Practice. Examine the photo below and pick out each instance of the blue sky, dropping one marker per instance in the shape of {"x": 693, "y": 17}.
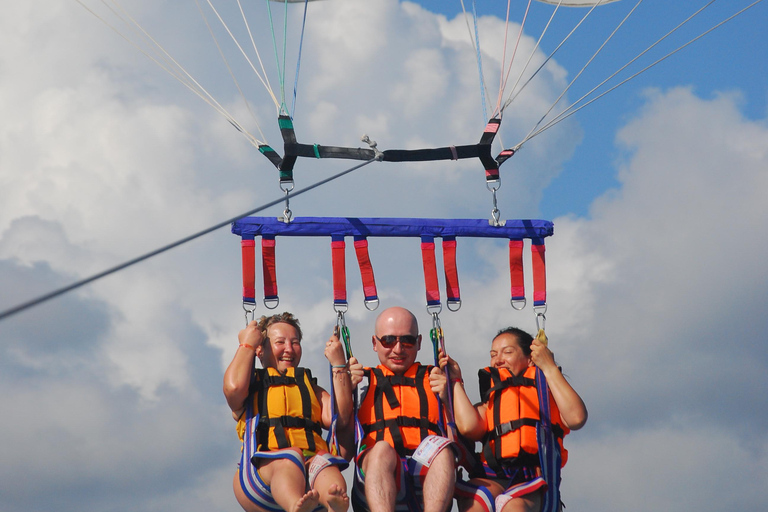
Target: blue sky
{"x": 656, "y": 274}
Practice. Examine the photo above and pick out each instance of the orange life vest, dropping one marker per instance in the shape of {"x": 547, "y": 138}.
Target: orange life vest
{"x": 399, "y": 409}
{"x": 511, "y": 418}
{"x": 290, "y": 414}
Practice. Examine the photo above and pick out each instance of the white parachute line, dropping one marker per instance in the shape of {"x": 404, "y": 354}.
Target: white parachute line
{"x": 549, "y": 57}
{"x": 474, "y": 37}
{"x": 592, "y": 58}
{"x": 262, "y": 79}
{"x": 530, "y": 58}
{"x": 562, "y": 116}
{"x": 167, "y": 64}
{"x": 505, "y": 75}
{"x": 256, "y": 50}
{"x": 572, "y": 106}
{"x": 229, "y": 70}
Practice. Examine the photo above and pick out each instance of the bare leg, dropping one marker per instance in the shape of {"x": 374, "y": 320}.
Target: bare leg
{"x": 379, "y": 466}
{"x": 288, "y": 483}
{"x": 440, "y": 482}
{"x": 332, "y": 488}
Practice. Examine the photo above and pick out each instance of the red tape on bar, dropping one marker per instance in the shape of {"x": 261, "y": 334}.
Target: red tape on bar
{"x": 268, "y": 267}
{"x": 366, "y": 269}
{"x": 430, "y": 270}
{"x": 516, "y": 277}
{"x": 338, "y": 259}
{"x": 539, "y": 273}
{"x": 451, "y": 272}
{"x": 248, "y": 247}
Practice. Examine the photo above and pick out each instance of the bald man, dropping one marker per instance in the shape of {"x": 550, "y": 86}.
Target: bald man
{"x": 404, "y": 459}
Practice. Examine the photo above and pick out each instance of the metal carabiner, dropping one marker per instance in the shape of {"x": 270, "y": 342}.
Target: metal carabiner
{"x": 541, "y": 319}
{"x": 493, "y": 186}
{"x": 287, "y": 213}
{"x": 249, "y": 308}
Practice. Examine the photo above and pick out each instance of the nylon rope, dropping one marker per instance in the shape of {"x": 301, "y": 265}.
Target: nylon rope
{"x": 46, "y": 297}
{"x": 280, "y": 71}
{"x": 169, "y": 65}
{"x": 562, "y": 116}
{"x": 298, "y": 59}
{"x": 586, "y": 65}
{"x": 549, "y": 57}
{"x": 474, "y": 37}
{"x": 530, "y": 58}
{"x": 229, "y": 70}
{"x": 505, "y": 76}
{"x": 262, "y": 78}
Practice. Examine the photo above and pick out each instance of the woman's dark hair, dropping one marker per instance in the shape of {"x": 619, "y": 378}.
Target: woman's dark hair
{"x": 523, "y": 338}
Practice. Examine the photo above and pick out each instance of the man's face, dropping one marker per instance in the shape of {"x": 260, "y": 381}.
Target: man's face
{"x": 397, "y": 341}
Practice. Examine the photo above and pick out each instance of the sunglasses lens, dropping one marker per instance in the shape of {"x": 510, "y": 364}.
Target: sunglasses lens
{"x": 390, "y": 340}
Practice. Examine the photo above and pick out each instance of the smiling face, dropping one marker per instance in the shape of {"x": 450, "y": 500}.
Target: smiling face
{"x": 397, "y": 322}
{"x": 506, "y": 353}
{"x": 282, "y": 349}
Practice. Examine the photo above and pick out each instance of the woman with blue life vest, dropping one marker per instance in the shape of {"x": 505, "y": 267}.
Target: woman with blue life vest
{"x": 281, "y": 412}
{"x": 508, "y": 477}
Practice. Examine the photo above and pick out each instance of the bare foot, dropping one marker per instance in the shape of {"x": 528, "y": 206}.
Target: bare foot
{"x": 306, "y": 503}
{"x": 338, "y": 501}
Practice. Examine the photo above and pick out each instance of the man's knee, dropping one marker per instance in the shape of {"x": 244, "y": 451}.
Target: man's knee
{"x": 381, "y": 456}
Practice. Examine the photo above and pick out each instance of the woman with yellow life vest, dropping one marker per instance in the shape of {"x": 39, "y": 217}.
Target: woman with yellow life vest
{"x": 280, "y": 411}
{"x": 508, "y": 477}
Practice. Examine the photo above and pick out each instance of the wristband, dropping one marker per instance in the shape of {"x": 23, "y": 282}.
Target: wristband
{"x": 338, "y": 365}
{"x": 247, "y": 346}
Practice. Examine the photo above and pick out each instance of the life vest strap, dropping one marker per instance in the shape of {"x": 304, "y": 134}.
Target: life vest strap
{"x": 402, "y": 421}
{"x": 509, "y": 426}
{"x": 292, "y": 422}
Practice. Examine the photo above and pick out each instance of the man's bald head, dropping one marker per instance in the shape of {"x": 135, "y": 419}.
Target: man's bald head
{"x": 396, "y": 320}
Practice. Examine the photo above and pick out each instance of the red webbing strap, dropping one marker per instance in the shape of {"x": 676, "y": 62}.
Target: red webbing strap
{"x": 248, "y": 247}
{"x": 268, "y": 266}
{"x": 430, "y": 270}
{"x": 516, "y": 277}
{"x": 539, "y": 273}
{"x": 366, "y": 269}
{"x": 451, "y": 272}
{"x": 338, "y": 248}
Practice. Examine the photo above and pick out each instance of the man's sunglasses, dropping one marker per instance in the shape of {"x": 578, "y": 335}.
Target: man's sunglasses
{"x": 390, "y": 340}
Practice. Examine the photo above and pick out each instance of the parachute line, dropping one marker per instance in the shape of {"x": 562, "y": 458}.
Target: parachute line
{"x": 569, "y": 112}
{"x": 164, "y": 60}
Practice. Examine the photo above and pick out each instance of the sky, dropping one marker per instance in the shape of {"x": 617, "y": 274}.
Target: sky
{"x": 111, "y": 394}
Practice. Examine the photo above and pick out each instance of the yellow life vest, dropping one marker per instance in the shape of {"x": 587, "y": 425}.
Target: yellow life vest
{"x": 289, "y": 412}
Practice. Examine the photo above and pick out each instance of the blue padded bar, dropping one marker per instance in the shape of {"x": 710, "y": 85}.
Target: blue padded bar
{"x": 391, "y": 227}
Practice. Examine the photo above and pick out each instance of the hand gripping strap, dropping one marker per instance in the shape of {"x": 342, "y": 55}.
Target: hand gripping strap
{"x": 517, "y": 280}
{"x": 430, "y": 270}
{"x": 451, "y": 272}
{"x": 338, "y": 247}
{"x": 366, "y": 269}
{"x": 268, "y": 267}
{"x": 539, "y": 273}
{"x": 248, "y": 247}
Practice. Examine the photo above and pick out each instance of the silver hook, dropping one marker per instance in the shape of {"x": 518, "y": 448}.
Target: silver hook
{"x": 287, "y": 213}
{"x": 249, "y": 308}
{"x": 493, "y": 186}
